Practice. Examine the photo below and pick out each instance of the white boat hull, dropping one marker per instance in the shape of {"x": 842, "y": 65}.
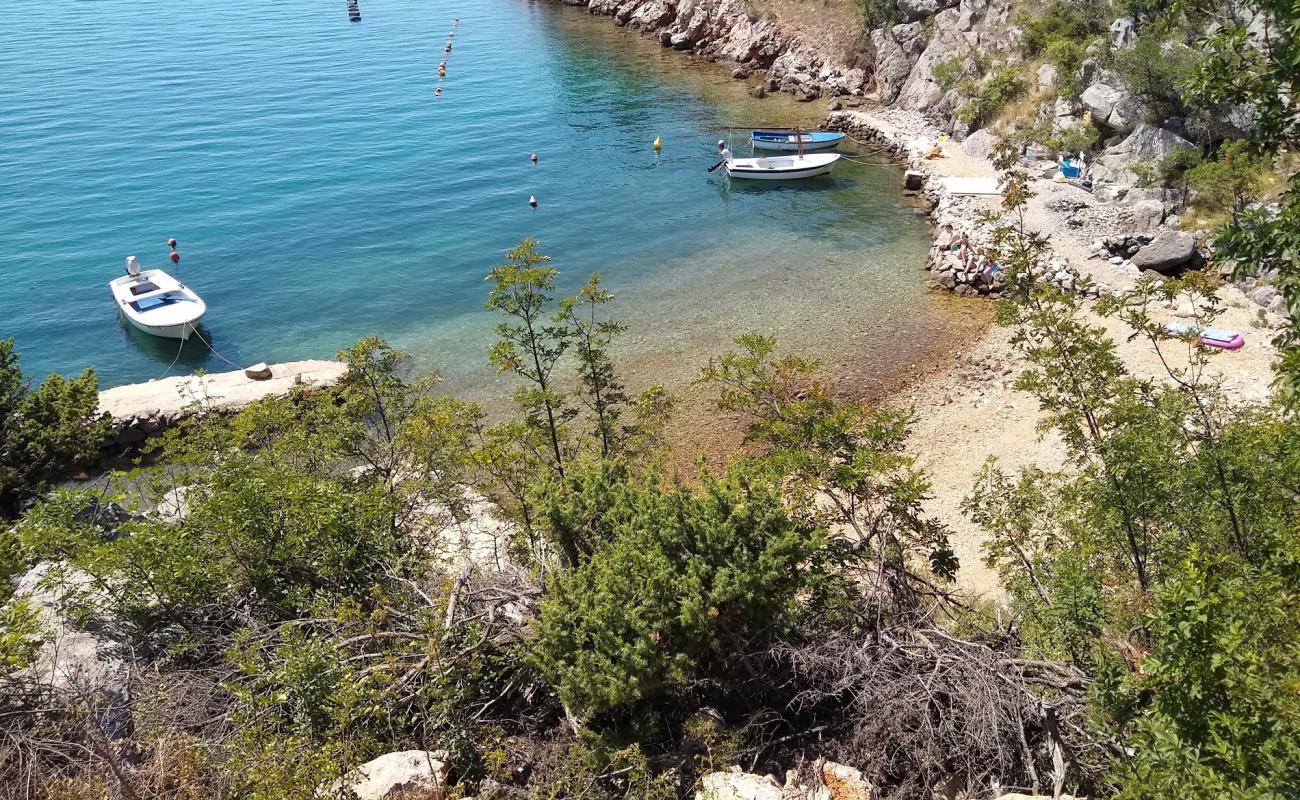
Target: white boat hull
{"x": 181, "y": 331}
{"x": 782, "y": 168}
{"x": 158, "y": 304}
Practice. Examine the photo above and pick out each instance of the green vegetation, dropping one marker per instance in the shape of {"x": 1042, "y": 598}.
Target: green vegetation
{"x": 383, "y": 567}
{"x": 45, "y": 433}
{"x": 1235, "y": 72}
{"x": 992, "y": 94}
{"x": 1063, "y": 21}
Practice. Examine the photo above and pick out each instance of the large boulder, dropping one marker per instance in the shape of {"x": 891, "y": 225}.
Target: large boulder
{"x": 737, "y": 785}
{"x": 1123, "y": 33}
{"x": 980, "y": 144}
{"x": 1111, "y": 105}
{"x": 77, "y": 657}
{"x": 395, "y": 773}
{"x": 1168, "y": 251}
{"x": 1146, "y": 145}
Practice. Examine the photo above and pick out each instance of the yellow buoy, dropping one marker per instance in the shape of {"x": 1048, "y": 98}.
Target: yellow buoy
{"x": 658, "y": 144}
{"x": 442, "y": 72}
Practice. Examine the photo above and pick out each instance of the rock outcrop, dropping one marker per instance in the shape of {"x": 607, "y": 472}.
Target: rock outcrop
{"x": 726, "y": 30}
{"x": 394, "y": 774}
{"x": 77, "y": 658}
{"x": 1112, "y": 106}
{"x": 1146, "y": 145}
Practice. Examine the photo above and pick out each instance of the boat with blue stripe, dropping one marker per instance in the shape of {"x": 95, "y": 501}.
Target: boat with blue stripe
{"x": 795, "y": 140}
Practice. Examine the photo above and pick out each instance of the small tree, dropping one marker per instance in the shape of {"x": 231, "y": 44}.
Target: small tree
{"x": 603, "y": 392}
{"x": 44, "y": 433}
{"x": 532, "y": 344}
{"x": 1231, "y": 180}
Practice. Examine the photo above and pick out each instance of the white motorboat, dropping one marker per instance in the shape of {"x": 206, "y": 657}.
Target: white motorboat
{"x": 157, "y": 303}
{"x": 782, "y": 168}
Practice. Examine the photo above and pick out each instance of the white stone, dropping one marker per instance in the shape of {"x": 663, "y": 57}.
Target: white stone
{"x": 1146, "y": 144}
{"x": 1123, "y": 33}
{"x": 737, "y": 785}
{"x": 1046, "y": 76}
{"x": 72, "y": 659}
{"x": 393, "y": 773}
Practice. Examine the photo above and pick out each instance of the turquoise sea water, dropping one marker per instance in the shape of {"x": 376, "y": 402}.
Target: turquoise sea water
{"x": 321, "y": 192}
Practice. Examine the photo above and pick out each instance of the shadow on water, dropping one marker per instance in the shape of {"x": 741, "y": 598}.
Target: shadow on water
{"x": 184, "y": 357}
{"x": 821, "y": 183}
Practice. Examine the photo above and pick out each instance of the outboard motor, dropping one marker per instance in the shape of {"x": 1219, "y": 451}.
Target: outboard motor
{"x": 132, "y": 266}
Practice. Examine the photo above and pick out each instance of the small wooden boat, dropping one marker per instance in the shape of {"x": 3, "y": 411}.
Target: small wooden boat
{"x": 782, "y": 168}
{"x": 794, "y": 140}
{"x": 157, "y": 303}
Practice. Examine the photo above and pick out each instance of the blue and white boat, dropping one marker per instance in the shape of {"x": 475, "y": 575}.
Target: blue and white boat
{"x": 795, "y": 140}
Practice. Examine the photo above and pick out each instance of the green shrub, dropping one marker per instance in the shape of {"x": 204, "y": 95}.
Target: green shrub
{"x": 1156, "y": 72}
{"x": 946, "y": 73}
{"x": 1224, "y": 682}
{"x": 683, "y": 579}
{"x": 1067, "y": 56}
{"x": 45, "y": 433}
{"x": 1063, "y": 20}
{"x": 1230, "y": 180}
{"x": 992, "y": 95}
{"x": 878, "y": 13}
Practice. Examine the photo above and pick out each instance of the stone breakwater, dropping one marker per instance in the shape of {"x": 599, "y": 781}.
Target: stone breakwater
{"x": 728, "y": 30}
{"x": 141, "y": 410}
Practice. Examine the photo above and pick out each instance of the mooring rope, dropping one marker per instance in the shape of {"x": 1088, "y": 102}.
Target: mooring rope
{"x": 174, "y": 360}
{"x": 213, "y": 349}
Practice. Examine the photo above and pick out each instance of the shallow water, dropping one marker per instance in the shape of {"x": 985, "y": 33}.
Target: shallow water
{"x": 321, "y": 192}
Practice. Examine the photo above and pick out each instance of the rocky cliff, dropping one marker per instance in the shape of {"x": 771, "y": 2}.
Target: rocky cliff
{"x": 938, "y": 60}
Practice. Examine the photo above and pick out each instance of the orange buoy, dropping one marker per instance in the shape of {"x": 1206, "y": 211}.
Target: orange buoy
{"x": 532, "y": 200}
{"x": 176, "y": 257}
{"x": 533, "y": 158}
{"x": 172, "y": 243}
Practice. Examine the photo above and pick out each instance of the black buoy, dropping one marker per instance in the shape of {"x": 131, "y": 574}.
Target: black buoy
{"x": 354, "y": 12}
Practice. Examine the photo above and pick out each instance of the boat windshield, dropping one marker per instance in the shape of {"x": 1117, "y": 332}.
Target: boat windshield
{"x": 150, "y": 303}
